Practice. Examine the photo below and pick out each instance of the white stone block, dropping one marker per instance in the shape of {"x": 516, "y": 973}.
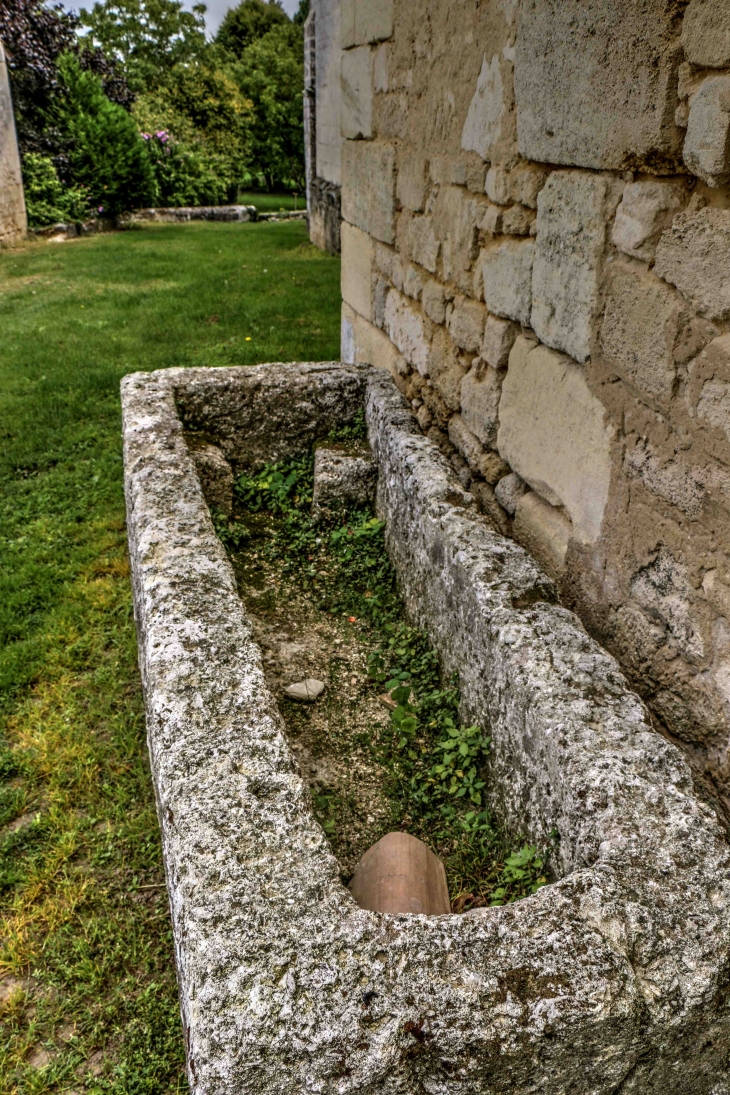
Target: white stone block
{"x": 419, "y": 241}
{"x": 457, "y": 216}
{"x": 356, "y": 106}
{"x": 347, "y": 23}
{"x": 446, "y": 368}
{"x": 408, "y": 330}
{"x": 507, "y": 278}
{"x": 364, "y": 343}
{"x": 640, "y": 328}
{"x": 465, "y": 322}
{"x": 412, "y": 182}
{"x": 646, "y": 208}
{"x": 373, "y": 20}
{"x": 707, "y": 145}
{"x": 483, "y": 125}
{"x": 481, "y": 390}
{"x": 499, "y": 338}
{"x": 572, "y": 214}
{"x": 357, "y": 269}
{"x": 368, "y": 188}
{"x": 521, "y": 183}
{"x": 434, "y": 301}
{"x": 706, "y": 33}
{"x": 552, "y": 432}
{"x": 509, "y": 490}
{"x": 693, "y": 255}
{"x": 412, "y": 283}
{"x": 544, "y": 531}
{"x": 595, "y": 83}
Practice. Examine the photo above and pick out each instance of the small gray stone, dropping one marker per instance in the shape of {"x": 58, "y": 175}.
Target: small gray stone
{"x": 509, "y": 490}
{"x": 707, "y": 145}
{"x": 706, "y": 33}
{"x": 305, "y": 691}
{"x": 341, "y": 478}
{"x": 693, "y": 255}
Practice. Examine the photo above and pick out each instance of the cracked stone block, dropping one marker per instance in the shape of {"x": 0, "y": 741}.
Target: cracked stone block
{"x": 368, "y": 188}
{"x": 456, "y": 218}
{"x": 419, "y": 241}
{"x": 446, "y": 369}
{"x": 216, "y": 477}
{"x": 483, "y": 125}
{"x": 545, "y": 397}
{"x": 509, "y": 490}
{"x": 640, "y": 329}
{"x": 707, "y": 144}
{"x": 408, "y": 329}
{"x": 595, "y": 83}
{"x": 357, "y": 269}
{"x": 341, "y": 478}
{"x": 664, "y": 588}
{"x": 356, "y": 99}
{"x": 481, "y": 390}
{"x": 434, "y": 301}
{"x": 465, "y": 320}
{"x": 499, "y": 338}
{"x": 706, "y": 33}
{"x": 646, "y": 208}
{"x": 544, "y": 530}
{"x": 507, "y": 278}
{"x": 693, "y": 255}
{"x": 572, "y": 216}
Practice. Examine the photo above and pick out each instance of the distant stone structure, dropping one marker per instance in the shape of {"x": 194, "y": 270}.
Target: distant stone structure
{"x": 322, "y": 140}
{"x": 536, "y": 243}
{"x": 13, "y": 221}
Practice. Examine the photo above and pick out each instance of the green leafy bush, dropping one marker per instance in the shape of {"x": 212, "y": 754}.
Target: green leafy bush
{"x": 107, "y": 155}
{"x": 47, "y": 200}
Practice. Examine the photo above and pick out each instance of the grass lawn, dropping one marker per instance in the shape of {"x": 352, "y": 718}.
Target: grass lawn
{"x": 272, "y": 203}
{"x": 88, "y": 999}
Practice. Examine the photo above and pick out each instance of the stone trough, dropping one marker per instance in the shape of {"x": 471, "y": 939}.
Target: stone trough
{"x": 613, "y": 979}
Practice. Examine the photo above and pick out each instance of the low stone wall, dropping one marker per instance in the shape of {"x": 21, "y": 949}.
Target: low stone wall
{"x": 614, "y": 978}
{"x": 194, "y": 213}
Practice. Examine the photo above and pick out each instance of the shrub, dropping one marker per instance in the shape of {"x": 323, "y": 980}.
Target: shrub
{"x": 47, "y": 200}
{"x": 107, "y": 155}
{"x": 184, "y": 175}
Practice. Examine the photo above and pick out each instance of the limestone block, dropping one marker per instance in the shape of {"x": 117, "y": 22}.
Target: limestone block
{"x": 381, "y": 288}
{"x": 466, "y": 442}
{"x": 521, "y": 183}
{"x": 13, "y": 221}
{"x": 340, "y": 478}
{"x": 356, "y": 105}
{"x": 408, "y": 329}
{"x": 412, "y": 283}
{"x": 380, "y": 68}
{"x": 465, "y": 322}
{"x": 216, "y": 477}
{"x": 490, "y": 507}
{"x": 412, "y": 182}
{"x": 419, "y": 241}
{"x": 457, "y": 216}
{"x": 663, "y": 587}
{"x": 446, "y": 369}
{"x": 552, "y": 432}
{"x": 357, "y": 269}
{"x": 678, "y": 483}
{"x": 363, "y": 342}
{"x": 706, "y": 33}
{"x": 347, "y": 23}
{"x": 499, "y": 338}
{"x": 373, "y": 20}
{"x": 518, "y": 221}
{"x": 434, "y": 301}
{"x": 347, "y": 335}
{"x": 368, "y": 188}
{"x": 507, "y": 278}
{"x": 481, "y": 390}
{"x": 693, "y": 255}
{"x": 492, "y": 221}
{"x": 646, "y": 208}
{"x": 509, "y": 490}
{"x": 595, "y": 83}
{"x": 572, "y": 214}
{"x": 483, "y": 125}
{"x": 708, "y": 391}
{"x": 544, "y": 531}
{"x": 707, "y": 145}
{"x": 641, "y": 325}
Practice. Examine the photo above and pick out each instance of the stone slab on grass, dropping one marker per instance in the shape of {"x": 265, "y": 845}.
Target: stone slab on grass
{"x": 611, "y": 978}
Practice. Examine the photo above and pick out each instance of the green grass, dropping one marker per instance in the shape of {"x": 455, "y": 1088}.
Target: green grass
{"x": 87, "y": 989}
{"x": 271, "y": 203}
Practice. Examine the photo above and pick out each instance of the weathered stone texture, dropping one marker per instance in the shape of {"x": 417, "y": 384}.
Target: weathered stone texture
{"x": 706, "y": 33}
{"x": 366, "y": 21}
{"x": 465, "y": 320}
{"x": 693, "y": 255}
{"x": 481, "y": 390}
{"x": 572, "y": 216}
{"x": 356, "y": 106}
{"x": 368, "y": 188}
{"x": 13, "y": 222}
{"x": 545, "y": 398}
{"x": 408, "y": 330}
{"x": 595, "y": 83}
{"x": 357, "y": 270}
{"x": 646, "y": 208}
{"x": 707, "y": 144}
{"x": 484, "y": 121}
{"x": 499, "y": 338}
{"x": 506, "y": 270}
{"x": 544, "y": 530}
{"x": 342, "y": 478}
{"x": 216, "y": 476}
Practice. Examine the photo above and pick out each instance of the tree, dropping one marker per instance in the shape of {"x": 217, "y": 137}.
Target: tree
{"x": 300, "y": 15}
{"x": 35, "y": 36}
{"x": 270, "y": 74}
{"x": 148, "y": 37}
{"x": 107, "y": 156}
{"x": 247, "y": 23}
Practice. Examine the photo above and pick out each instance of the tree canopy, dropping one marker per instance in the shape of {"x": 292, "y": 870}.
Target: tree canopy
{"x": 245, "y": 24}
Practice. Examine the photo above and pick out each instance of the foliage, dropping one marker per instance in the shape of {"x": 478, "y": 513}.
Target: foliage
{"x": 270, "y": 74}
{"x": 247, "y": 22}
{"x": 300, "y": 15}
{"x": 47, "y": 200}
{"x": 107, "y": 156}
{"x": 148, "y": 37}
{"x": 35, "y": 36}
{"x": 84, "y": 924}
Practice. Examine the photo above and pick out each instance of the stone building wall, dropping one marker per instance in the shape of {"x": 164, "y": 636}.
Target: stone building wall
{"x": 13, "y": 224}
{"x": 536, "y": 243}
{"x": 322, "y": 123}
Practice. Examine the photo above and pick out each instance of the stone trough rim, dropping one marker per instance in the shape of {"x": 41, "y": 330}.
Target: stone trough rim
{"x": 166, "y": 507}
